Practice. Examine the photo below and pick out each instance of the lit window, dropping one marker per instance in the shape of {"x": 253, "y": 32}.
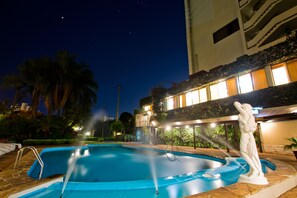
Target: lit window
{"x": 203, "y": 95}
{"x": 218, "y": 90}
{"x": 214, "y": 91}
{"x": 195, "y": 97}
{"x": 181, "y": 101}
{"x": 189, "y": 98}
{"x": 280, "y": 75}
{"x": 223, "y": 91}
{"x": 245, "y": 83}
{"x": 170, "y": 103}
{"x": 146, "y": 108}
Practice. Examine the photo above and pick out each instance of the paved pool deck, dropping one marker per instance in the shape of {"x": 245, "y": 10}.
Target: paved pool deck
{"x": 282, "y": 181}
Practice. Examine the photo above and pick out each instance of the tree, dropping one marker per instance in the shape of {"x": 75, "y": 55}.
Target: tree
{"x": 158, "y": 95}
{"x": 117, "y": 126}
{"x": 4, "y": 107}
{"x": 61, "y": 83}
{"x": 128, "y": 122}
{"x": 75, "y": 85}
{"x": 67, "y": 88}
{"x": 15, "y": 82}
{"x": 35, "y": 75}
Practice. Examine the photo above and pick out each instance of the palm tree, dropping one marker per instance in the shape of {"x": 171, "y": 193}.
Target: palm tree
{"x": 61, "y": 83}
{"x": 35, "y": 74}
{"x": 15, "y": 81}
{"x": 83, "y": 94}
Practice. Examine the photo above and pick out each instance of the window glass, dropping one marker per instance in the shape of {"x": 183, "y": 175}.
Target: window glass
{"x": 245, "y": 83}
{"x": 180, "y": 101}
{"x": 225, "y": 31}
{"x": 214, "y": 91}
{"x": 189, "y": 99}
{"x": 203, "y": 95}
{"x": 170, "y": 103}
{"x": 223, "y": 92}
{"x": 280, "y": 75}
{"x": 195, "y": 97}
{"x": 218, "y": 90}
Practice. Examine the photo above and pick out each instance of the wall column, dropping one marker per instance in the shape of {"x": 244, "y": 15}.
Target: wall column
{"x": 226, "y": 136}
{"x": 194, "y": 136}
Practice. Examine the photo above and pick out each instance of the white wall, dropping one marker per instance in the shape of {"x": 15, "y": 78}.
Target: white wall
{"x": 208, "y": 16}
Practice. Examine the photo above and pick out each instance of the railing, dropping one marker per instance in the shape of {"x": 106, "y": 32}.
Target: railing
{"x": 243, "y": 3}
{"x": 253, "y": 21}
{"x": 271, "y": 26}
{"x": 34, "y": 150}
{"x": 169, "y": 153}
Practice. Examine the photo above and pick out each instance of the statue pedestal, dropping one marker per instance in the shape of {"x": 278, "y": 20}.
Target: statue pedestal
{"x": 259, "y": 180}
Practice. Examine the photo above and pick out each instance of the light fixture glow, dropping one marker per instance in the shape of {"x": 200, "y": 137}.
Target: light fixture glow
{"x": 168, "y": 128}
{"x": 234, "y": 117}
{"x": 170, "y": 103}
{"x": 213, "y": 125}
{"x": 146, "y": 108}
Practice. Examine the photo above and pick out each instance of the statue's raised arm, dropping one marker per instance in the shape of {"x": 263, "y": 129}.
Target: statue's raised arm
{"x": 239, "y": 107}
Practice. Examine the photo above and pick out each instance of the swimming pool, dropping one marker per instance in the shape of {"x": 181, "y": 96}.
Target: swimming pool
{"x": 122, "y": 171}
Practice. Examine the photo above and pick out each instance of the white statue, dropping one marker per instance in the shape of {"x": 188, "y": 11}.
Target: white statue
{"x": 248, "y": 148}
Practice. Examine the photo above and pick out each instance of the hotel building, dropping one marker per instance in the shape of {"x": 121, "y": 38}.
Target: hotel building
{"x": 246, "y": 52}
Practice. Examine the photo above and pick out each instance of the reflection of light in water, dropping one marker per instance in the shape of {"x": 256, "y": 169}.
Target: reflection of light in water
{"x": 194, "y": 187}
{"x": 172, "y": 190}
{"x": 108, "y": 156}
{"x": 211, "y": 176}
{"x": 83, "y": 170}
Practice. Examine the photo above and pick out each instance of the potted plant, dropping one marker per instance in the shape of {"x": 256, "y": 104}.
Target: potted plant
{"x": 292, "y": 146}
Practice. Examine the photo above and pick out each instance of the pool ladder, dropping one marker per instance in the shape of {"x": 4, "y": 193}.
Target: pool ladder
{"x": 34, "y": 150}
{"x": 169, "y": 153}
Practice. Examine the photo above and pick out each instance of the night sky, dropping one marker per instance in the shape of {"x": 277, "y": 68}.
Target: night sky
{"x": 137, "y": 44}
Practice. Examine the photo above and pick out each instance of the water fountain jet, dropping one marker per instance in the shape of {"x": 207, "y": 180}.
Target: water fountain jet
{"x": 153, "y": 171}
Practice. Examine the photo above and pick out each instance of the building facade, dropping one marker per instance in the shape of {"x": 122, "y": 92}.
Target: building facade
{"x": 218, "y": 32}
{"x": 246, "y": 52}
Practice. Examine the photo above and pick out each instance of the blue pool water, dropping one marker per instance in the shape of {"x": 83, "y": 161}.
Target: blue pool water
{"x": 121, "y": 171}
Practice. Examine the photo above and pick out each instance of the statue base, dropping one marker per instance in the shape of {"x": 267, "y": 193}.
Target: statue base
{"x": 259, "y": 180}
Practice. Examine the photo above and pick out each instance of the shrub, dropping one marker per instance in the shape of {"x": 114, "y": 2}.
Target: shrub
{"x": 48, "y": 141}
{"x": 109, "y": 139}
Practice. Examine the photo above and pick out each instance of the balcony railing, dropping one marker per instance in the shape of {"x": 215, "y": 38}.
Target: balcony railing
{"x": 272, "y": 26}
{"x": 258, "y": 16}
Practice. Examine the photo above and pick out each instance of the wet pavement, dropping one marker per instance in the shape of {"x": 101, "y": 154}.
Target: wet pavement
{"x": 13, "y": 181}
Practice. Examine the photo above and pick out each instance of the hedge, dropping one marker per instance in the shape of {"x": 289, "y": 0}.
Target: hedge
{"x": 48, "y": 141}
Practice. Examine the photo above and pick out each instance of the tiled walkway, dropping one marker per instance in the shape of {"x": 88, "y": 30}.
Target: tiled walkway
{"x": 13, "y": 181}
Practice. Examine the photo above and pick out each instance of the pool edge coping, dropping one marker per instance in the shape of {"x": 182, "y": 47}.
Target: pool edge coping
{"x": 286, "y": 181}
